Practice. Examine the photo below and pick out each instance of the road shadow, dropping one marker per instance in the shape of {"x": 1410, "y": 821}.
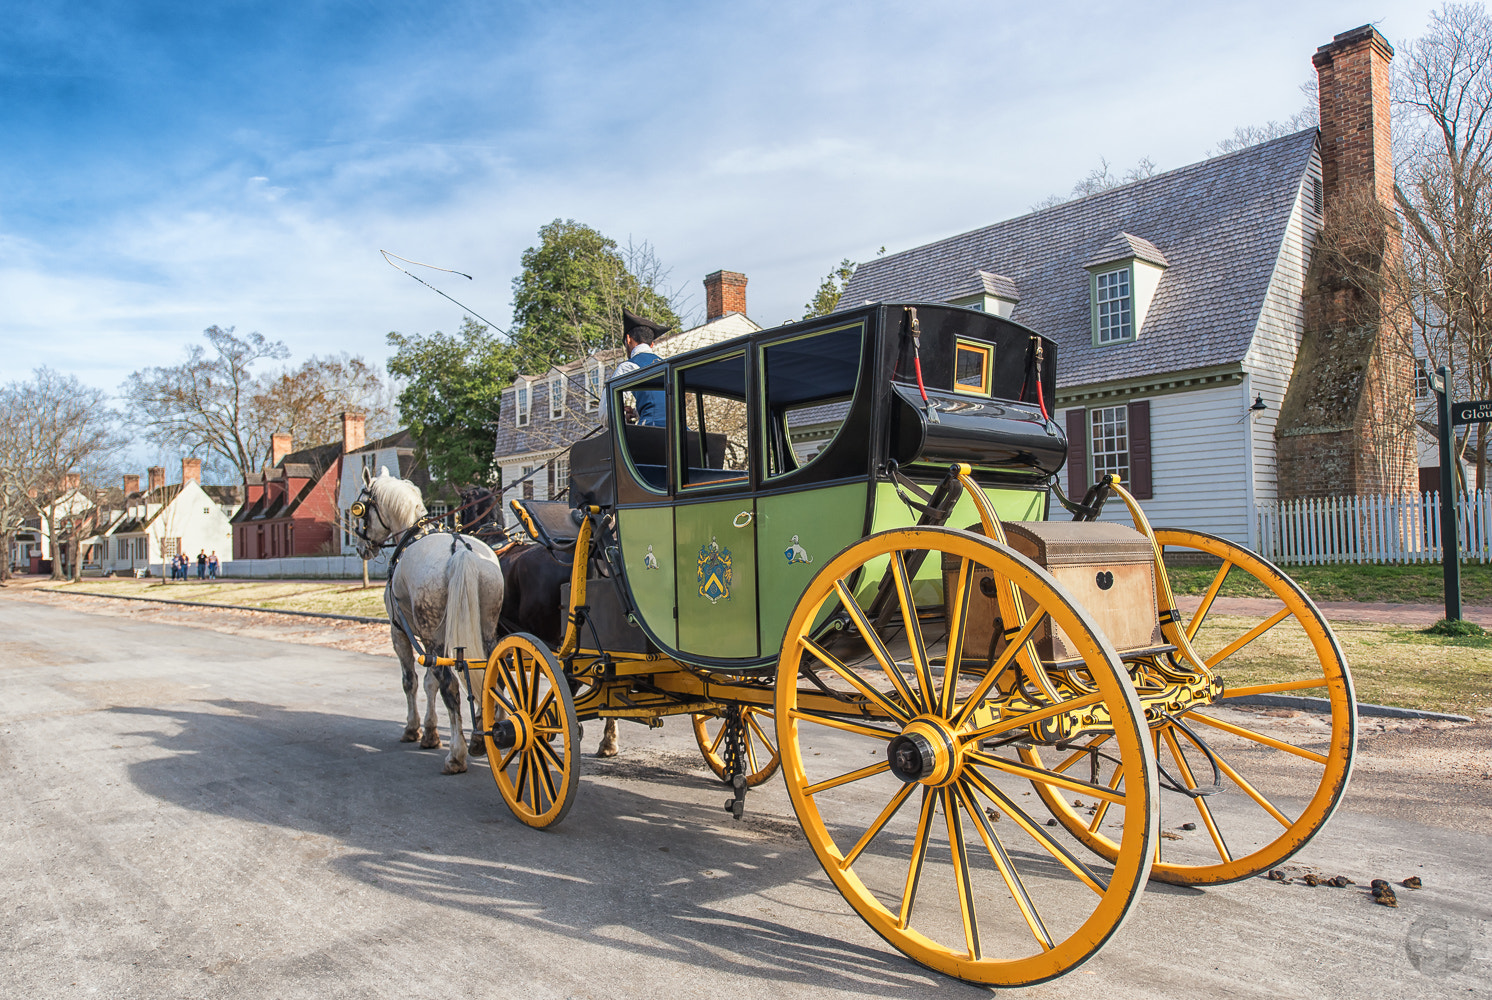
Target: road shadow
{"x": 639, "y": 865}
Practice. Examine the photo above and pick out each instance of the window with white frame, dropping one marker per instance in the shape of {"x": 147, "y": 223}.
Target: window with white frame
{"x": 522, "y": 397}
{"x": 528, "y": 480}
{"x": 561, "y": 475}
{"x": 556, "y": 396}
{"x": 1113, "y": 305}
{"x": 1108, "y": 440}
{"x": 594, "y": 377}
{"x": 1421, "y": 378}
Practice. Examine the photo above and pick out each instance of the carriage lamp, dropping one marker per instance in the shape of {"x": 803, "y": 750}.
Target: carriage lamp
{"x": 1259, "y": 406}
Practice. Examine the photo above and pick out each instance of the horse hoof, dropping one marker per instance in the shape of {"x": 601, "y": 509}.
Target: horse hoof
{"x": 607, "y": 750}
{"x": 430, "y": 743}
{"x": 454, "y": 767}
{"x": 477, "y": 748}
{"x": 410, "y": 735}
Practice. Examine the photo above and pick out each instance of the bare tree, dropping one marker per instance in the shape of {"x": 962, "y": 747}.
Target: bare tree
{"x": 64, "y": 432}
{"x": 206, "y": 403}
{"x": 307, "y": 401}
{"x": 1245, "y": 136}
{"x": 1443, "y": 93}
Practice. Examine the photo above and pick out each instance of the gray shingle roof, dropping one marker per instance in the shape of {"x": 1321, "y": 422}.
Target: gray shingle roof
{"x": 1124, "y": 246}
{"x": 1221, "y": 223}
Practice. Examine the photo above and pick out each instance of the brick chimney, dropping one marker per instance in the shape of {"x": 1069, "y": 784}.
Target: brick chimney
{"x": 725, "y": 293}
{"x": 279, "y": 447}
{"x": 353, "y": 425}
{"x": 71, "y": 481}
{"x": 1346, "y": 422}
{"x": 131, "y": 484}
{"x": 155, "y": 477}
{"x": 191, "y": 471}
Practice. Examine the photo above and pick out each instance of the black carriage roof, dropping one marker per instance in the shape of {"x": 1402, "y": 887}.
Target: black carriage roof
{"x": 798, "y": 376}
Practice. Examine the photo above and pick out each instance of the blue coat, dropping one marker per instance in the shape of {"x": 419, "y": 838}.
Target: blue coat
{"x": 651, "y": 407}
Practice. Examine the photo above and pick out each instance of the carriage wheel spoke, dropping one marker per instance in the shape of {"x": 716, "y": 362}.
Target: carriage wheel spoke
{"x": 844, "y": 779}
{"x": 1037, "y": 832}
{"x": 919, "y": 854}
{"x": 1103, "y": 807}
{"x": 544, "y": 705}
{"x": 959, "y": 856}
{"x": 878, "y": 649}
{"x": 548, "y": 751}
{"x": 1012, "y": 648}
{"x": 1248, "y": 637}
{"x": 756, "y": 728}
{"x": 1191, "y": 782}
{"x": 915, "y": 647}
{"x": 891, "y": 809}
{"x": 1012, "y": 878}
{"x": 507, "y": 759}
{"x": 875, "y": 697}
{"x": 543, "y": 769}
{"x": 1207, "y": 599}
{"x": 1305, "y": 685}
{"x": 845, "y": 724}
{"x": 521, "y": 787}
{"x": 508, "y": 685}
{"x": 750, "y": 753}
{"x": 1031, "y": 771}
{"x": 719, "y": 738}
{"x": 1249, "y": 734}
{"x": 954, "y": 645}
{"x": 1250, "y": 790}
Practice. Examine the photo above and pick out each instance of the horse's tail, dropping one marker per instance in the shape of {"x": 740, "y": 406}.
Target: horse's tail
{"x": 463, "y": 604}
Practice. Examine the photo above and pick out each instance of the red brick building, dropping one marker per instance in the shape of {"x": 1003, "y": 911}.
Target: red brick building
{"x": 290, "y": 507}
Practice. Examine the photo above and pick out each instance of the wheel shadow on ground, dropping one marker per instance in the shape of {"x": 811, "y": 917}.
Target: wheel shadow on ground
{"x": 640, "y": 865}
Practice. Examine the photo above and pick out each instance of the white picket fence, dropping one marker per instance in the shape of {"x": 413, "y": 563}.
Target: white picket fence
{"x": 1368, "y": 529}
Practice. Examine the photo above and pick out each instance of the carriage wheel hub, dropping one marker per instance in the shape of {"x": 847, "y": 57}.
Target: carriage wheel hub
{"x": 925, "y": 752}
{"x": 516, "y": 731}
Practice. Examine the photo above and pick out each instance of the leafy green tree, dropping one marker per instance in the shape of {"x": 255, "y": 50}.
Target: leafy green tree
{"x": 569, "y": 299}
{"x": 450, "y": 400}
{"x": 826, "y": 299}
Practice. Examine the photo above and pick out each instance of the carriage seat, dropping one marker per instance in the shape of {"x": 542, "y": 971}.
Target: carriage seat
{"x": 648, "y": 447}
{"x": 548, "y": 522}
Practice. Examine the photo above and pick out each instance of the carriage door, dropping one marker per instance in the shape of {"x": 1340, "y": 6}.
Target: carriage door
{"x": 714, "y": 513}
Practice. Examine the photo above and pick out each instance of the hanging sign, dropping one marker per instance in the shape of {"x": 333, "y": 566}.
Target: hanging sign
{"x": 1471, "y": 413}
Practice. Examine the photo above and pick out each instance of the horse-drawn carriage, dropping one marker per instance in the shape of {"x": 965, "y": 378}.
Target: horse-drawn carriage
{"x": 836, "y": 558}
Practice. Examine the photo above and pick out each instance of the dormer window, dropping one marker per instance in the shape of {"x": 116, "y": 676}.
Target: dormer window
{"x": 556, "y": 396}
{"x": 594, "y": 371}
{"x": 1122, "y": 282}
{"x": 522, "y": 398}
{"x": 1115, "y": 308}
{"x": 986, "y": 292}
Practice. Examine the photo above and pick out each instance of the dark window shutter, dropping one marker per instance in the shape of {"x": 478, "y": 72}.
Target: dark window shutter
{"x": 1077, "y": 453}
{"x": 1139, "y": 449}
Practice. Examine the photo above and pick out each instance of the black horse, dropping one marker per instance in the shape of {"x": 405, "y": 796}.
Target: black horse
{"x": 533, "y": 576}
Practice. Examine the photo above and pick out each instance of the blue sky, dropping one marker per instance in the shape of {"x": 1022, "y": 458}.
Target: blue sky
{"x": 169, "y": 166}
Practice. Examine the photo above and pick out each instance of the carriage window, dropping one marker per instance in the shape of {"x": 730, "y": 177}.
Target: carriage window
{"x": 712, "y": 414}
{"x": 645, "y": 444}
{"x": 807, "y": 385}
{"x": 973, "y": 365}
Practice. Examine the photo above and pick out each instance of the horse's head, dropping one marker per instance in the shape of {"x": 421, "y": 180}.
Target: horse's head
{"x": 384, "y": 507}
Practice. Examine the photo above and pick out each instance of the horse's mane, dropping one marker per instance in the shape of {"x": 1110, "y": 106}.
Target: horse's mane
{"x": 399, "y": 500}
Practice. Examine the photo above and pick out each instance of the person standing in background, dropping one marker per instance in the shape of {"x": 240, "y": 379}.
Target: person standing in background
{"x": 212, "y": 565}
{"x": 201, "y": 564}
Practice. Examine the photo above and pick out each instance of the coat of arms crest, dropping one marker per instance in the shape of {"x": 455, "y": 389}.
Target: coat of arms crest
{"x": 714, "y": 572}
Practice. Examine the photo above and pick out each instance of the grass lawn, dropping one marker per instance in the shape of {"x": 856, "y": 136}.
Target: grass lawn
{"x": 1390, "y": 665}
{"x": 1416, "y": 584}
{"x": 341, "y": 597}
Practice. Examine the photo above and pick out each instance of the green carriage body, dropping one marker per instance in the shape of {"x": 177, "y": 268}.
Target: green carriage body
{"x": 719, "y": 532}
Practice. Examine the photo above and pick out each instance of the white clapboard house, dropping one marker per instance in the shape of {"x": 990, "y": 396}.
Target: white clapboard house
{"x": 1177, "y": 305}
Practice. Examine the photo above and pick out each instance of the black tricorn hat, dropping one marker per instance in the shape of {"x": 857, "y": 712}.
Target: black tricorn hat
{"x": 642, "y": 330}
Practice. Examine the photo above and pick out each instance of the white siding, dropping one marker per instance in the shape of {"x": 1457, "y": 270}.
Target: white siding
{"x": 1198, "y": 464}
{"x": 192, "y": 516}
{"x": 1271, "y": 357}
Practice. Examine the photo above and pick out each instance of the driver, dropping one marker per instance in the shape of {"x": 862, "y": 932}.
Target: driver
{"x": 638, "y": 335}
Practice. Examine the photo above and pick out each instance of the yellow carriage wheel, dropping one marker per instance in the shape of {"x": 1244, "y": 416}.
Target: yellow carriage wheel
{"x": 1274, "y": 780}
{"x": 906, "y": 778}
{"x": 758, "y": 741}
{"x": 526, "y": 704}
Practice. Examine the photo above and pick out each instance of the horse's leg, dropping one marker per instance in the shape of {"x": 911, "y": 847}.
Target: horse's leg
{"x": 608, "y": 747}
{"x": 450, "y": 692}
{"x": 405, "y": 652}
{"x": 431, "y": 738}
